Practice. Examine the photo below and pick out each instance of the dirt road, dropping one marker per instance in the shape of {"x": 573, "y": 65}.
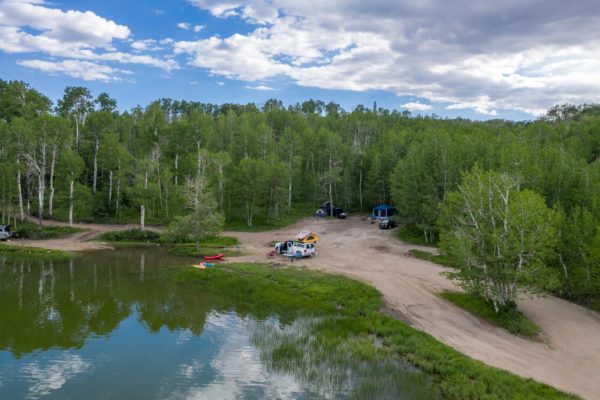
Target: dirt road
{"x": 568, "y": 358}
{"x": 79, "y": 241}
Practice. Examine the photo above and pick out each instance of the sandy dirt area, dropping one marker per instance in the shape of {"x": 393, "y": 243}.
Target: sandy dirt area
{"x": 567, "y": 358}
{"x": 79, "y": 241}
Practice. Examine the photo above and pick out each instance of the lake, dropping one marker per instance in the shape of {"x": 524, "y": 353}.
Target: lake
{"x": 112, "y": 325}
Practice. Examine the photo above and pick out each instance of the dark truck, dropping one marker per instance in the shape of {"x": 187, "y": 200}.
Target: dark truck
{"x": 337, "y": 211}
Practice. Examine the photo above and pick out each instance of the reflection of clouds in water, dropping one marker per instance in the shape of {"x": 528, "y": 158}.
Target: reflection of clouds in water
{"x": 184, "y": 336}
{"x": 54, "y": 375}
{"x": 238, "y": 367}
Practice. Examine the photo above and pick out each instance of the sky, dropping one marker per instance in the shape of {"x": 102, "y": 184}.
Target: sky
{"x": 484, "y": 59}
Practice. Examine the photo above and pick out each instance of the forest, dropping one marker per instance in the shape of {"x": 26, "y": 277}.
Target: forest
{"x": 81, "y": 159}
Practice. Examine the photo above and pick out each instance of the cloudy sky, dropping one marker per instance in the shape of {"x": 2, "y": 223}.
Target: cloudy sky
{"x": 511, "y": 59}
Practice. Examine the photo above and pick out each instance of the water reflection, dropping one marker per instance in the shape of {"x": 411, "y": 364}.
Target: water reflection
{"x": 109, "y": 325}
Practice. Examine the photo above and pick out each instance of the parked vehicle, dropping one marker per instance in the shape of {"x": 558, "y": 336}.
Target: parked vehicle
{"x": 387, "y": 224}
{"x": 382, "y": 211}
{"x": 337, "y": 211}
{"x": 5, "y": 232}
{"x": 293, "y": 248}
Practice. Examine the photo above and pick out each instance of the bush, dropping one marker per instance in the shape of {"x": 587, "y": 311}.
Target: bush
{"x": 131, "y": 235}
{"x": 412, "y": 235}
{"x": 509, "y": 317}
{"x": 28, "y": 230}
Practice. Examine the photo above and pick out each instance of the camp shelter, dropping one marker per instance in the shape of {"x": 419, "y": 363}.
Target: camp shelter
{"x": 307, "y": 237}
{"x": 383, "y": 211}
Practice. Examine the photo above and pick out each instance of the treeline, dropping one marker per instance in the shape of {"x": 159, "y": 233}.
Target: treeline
{"x": 82, "y": 160}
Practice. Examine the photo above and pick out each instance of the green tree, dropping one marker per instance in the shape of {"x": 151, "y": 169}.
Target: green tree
{"x": 203, "y": 219}
{"x": 498, "y": 236}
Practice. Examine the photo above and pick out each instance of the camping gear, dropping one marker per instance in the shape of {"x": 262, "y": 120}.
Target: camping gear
{"x": 382, "y": 211}
{"x": 307, "y": 237}
{"x": 215, "y": 257}
{"x": 203, "y": 265}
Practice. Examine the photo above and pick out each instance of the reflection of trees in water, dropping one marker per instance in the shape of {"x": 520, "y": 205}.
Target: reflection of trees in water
{"x": 45, "y": 304}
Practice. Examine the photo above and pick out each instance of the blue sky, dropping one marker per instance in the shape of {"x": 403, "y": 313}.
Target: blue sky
{"x": 510, "y": 59}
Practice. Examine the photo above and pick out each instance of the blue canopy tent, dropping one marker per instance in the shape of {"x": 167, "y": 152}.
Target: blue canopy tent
{"x": 383, "y": 211}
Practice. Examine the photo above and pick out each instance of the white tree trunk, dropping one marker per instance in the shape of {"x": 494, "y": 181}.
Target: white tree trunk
{"x": 20, "y": 189}
{"x": 290, "y": 192}
{"x": 110, "y": 185}
{"x": 330, "y": 185}
{"x": 176, "y": 168}
{"x": 51, "y": 199}
{"x": 71, "y": 199}
{"x": 96, "y": 147}
{"x": 76, "y": 131}
{"x": 117, "y": 196}
{"x": 221, "y": 191}
{"x": 42, "y": 184}
{"x": 360, "y": 179}
{"x": 142, "y": 217}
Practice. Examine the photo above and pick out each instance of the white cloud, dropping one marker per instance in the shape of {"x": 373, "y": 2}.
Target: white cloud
{"x": 85, "y": 70}
{"x": 488, "y": 56}
{"x": 70, "y": 27}
{"x": 184, "y": 25}
{"x": 416, "y": 106}
{"x": 145, "y": 45}
{"x": 260, "y": 87}
{"x": 30, "y": 26}
{"x": 198, "y": 28}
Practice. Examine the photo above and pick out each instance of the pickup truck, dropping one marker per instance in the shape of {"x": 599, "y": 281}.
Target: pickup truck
{"x": 294, "y": 248}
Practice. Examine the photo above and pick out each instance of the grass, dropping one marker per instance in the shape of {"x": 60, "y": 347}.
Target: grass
{"x": 350, "y": 327}
{"x": 189, "y": 250}
{"x": 33, "y": 252}
{"x": 510, "y": 319}
{"x": 131, "y": 235}
{"x": 435, "y": 258}
{"x": 29, "y": 230}
{"x": 413, "y": 236}
{"x": 144, "y": 236}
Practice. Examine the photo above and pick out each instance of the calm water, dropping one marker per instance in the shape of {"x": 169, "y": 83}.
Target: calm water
{"x": 107, "y": 325}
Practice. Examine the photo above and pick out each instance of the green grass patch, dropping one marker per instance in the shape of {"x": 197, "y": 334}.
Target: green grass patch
{"x": 510, "y": 319}
{"x": 189, "y": 250}
{"x": 29, "y": 230}
{"x": 220, "y": 241}
{"x": 413, "y": 236}
{"x": 435, "y": 258}
{"x": 33, "y": 252}
{"x": 131, "y": 235}
{"x": 350, "y": 326}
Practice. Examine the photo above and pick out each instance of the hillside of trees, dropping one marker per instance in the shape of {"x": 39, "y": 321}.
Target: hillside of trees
{"x": 81, "y": 159}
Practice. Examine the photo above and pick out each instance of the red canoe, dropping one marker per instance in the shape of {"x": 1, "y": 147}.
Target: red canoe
{"x": 212, "y": 258}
